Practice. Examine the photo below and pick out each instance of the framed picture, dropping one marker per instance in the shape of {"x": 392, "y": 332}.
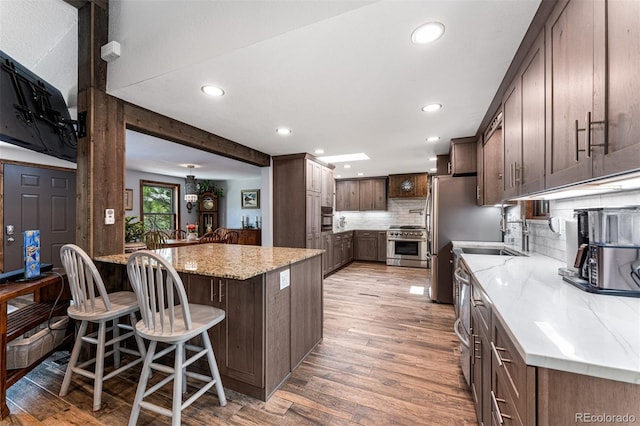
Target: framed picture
{"x": 250, "y": 198}
{"x": 128, "y": 199}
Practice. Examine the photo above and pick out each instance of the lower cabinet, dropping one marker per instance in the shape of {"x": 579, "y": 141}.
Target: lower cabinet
{"x": 382, "y": 246}
{"x": 366, "y": 245}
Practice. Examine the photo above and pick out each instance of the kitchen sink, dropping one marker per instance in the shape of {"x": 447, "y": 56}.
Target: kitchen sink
{"x": 493, "y": 251}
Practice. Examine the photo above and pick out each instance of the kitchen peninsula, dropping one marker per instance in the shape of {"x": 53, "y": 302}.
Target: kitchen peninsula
{"x": 272, "y": 297}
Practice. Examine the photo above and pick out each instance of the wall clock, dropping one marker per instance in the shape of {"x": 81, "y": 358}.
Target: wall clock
{"x": 406, "y": 185}
{"x": 207, "y": 202}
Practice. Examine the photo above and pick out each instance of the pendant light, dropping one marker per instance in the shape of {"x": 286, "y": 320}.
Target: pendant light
{"x": 190, "y": 189}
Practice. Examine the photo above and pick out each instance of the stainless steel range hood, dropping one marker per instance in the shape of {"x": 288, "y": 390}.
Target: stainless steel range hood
{"x": 33, "y": 113}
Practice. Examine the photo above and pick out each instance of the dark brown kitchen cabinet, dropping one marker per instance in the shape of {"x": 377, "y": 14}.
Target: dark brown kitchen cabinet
{"x": 306, "y": 310}
{"x": 412, "y": 185}
{"x": 327, "y": 257}
{"x": 524, "y": 126}
{"x": 480, "y": 174}
{"x": 361, "y": 194}
{"x": 443, "y": 164}
{"x": 593, "y": 93}
{"x": 463, "y": 156}
{"x": 382, "y": 246}
{"x": 373, "y": 194}
{"x": 347, "y": 195}
{"x": 491, "y": 183}
{"x": 296, "y": 209}
{"x": 366, "y": 245}
{"x": 337, "y": 251}
{"x": 327, "y": 187}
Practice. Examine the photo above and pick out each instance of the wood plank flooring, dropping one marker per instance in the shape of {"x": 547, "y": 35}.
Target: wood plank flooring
{"x": 387, "y": 357}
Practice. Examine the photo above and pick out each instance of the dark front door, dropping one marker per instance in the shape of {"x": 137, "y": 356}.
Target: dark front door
{"x": 38, "y": 198}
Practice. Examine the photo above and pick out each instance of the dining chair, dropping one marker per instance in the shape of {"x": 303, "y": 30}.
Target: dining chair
{"x": 211, "y": 237}
{"x": 178, "y": 234}
{"x": 231, "y": 237}
{"x": 155, "y": 239}
{"x": 169, "y": 319}
{"x": 92, "y": 304}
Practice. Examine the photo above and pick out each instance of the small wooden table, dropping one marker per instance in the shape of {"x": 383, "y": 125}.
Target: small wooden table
{"x": 18, "y": 322}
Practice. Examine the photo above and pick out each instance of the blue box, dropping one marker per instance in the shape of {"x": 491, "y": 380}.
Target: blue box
{"x": 31, "y": 254}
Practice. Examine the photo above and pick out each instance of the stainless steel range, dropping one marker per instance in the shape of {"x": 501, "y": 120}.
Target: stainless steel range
{"x": 407, "y": 246}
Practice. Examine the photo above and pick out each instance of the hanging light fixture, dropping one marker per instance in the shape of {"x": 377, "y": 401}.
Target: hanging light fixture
{"x": 190, "y": 189}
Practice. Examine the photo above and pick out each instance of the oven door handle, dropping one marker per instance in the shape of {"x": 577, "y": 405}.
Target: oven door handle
{"x": 456, "y": 329}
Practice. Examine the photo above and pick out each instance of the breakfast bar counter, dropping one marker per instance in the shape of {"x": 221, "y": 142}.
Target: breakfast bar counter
{"x": 272, "y": 298}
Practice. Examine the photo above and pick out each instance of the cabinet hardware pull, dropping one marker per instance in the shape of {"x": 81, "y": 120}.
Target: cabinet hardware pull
{"x": 477, "y": 192}
{"x": 475, "y": 347}
{"x": 589, "y": 138}
{"x": 578, "y": 130}
{"x": 495, "y": 401}
{"x": 219, "y": 291}
{"x": 517, "y": 173}
{"x": 449, "y": 168}
{"x": 211, "y": 292}
{"x": 499, "y": 358}
{"x": 477, "y": 302}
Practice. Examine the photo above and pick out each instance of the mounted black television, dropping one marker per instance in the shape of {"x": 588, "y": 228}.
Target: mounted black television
{"x": 33, "y": 113}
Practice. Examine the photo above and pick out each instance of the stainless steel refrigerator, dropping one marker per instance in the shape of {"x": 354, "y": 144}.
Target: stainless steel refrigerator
{"x": 455, "y": 216}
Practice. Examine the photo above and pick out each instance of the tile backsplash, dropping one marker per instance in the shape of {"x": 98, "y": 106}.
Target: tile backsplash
{"x": 553, "y": 244}
{"x": 409, "y": 211}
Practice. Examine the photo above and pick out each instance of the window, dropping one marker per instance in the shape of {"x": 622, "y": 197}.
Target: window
{"x": 159, "y": 205}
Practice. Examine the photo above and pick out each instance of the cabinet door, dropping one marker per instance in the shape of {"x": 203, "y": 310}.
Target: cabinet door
{"x": 493, "y": 153}
{"x": 463, "y": 156}
{"x": 382, "y": 246}
{"x": 512, "y": 139}
{"x": 306, "y": 308}
{"x": 570, "y": 85}
{"x": 480, "y": 176}
{"x": 314, "y": 176}
{"x": 245, "y": 343}
{"x": 348, "y": 248}
{"x": 347, "y": 195}
{"x": 622, "y": 91}
{"x": 533, "y": 120}
{"x": 327, "y": 257}
{"x": 379, "y": 194}
{"x": 365, "y": 191}
{"x": 337, "y": 251}
{"x": 366, "y": 245}
{"x": 443, "y": 164}
{"x": 212, "y": 292}
{"x": 313, "y": 215}
{"x": 327, "y": 187}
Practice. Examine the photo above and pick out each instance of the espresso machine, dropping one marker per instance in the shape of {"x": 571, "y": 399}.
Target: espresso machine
{"x": 608, "y": 259}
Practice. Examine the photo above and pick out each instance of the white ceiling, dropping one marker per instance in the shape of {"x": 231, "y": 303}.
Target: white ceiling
{"x": 343, "y": 75}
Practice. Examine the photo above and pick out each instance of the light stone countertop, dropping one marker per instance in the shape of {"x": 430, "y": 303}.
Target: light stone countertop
{"x": 556, "y": 325}
{"x": 234, "y": 261}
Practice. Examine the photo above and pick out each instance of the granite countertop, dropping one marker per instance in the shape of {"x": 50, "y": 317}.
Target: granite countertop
{"x": 556, "y": 325}
{"x": 234, "y": 261}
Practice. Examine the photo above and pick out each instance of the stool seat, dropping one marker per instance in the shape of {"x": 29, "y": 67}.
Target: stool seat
{"x": 202, "y": 318}
{"x": 122, "y": 303}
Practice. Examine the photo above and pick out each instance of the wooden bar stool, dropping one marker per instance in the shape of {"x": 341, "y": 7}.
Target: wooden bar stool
{"x": 99, "y": 308}
{"x": 169, "y": 318}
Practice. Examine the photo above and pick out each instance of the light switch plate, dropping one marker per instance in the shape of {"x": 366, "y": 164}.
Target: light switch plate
{"x": 109, "y": 217}
{"x": 284, "y": 279}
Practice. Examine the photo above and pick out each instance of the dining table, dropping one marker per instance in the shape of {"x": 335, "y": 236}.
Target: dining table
{"x": 169, "y": 243}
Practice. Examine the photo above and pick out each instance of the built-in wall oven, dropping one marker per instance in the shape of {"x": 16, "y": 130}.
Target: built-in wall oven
{"x": 326, "y": 218}
{"x": 407, "y": 246}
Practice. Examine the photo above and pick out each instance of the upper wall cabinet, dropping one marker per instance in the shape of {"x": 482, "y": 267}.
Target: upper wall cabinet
{"x": 593, "y": 93}
{"x": 524, "y": 126}
{"x": 408, "y": 186}
{"x": 361, "y": 194}
{"x": 489, "y": 179}
{"x": 463, "y": 156}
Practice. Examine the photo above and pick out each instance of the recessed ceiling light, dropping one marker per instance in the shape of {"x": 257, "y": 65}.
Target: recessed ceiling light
{"x": 426, "y": 33}
{"x": 431, "y": 107}
{"x": 319, "y": 151}
{"x": 283, "y": 131}
{"x": 360, "y": 174}
{"x": 432, "y": 158}
{"x": 212, "y": 91}
{"x": 433, "y": 169}
{"x": 433, "y": 138}
{"x": 344, "y": 158}
{"x": 347, "y": 166}
{"x": 338, "y": 176}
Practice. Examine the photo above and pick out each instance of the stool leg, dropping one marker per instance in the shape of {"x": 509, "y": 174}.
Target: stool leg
{"x": 99, "y": 366}
{"x": 116, "y": 345}
{"x": 214, "y": 369}
{"x": 142, "y": 383}
{"x": 139, "y": 342}
{"x": 73, "y": 360}
{"x": 177, "y": 385}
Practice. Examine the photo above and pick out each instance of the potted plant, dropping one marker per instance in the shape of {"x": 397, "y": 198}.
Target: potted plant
{"x": 208, "y": 186}
{"x": 133, "y": 231}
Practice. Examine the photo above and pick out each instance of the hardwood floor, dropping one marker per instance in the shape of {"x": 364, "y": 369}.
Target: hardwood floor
{"x": 387, "y": 357}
